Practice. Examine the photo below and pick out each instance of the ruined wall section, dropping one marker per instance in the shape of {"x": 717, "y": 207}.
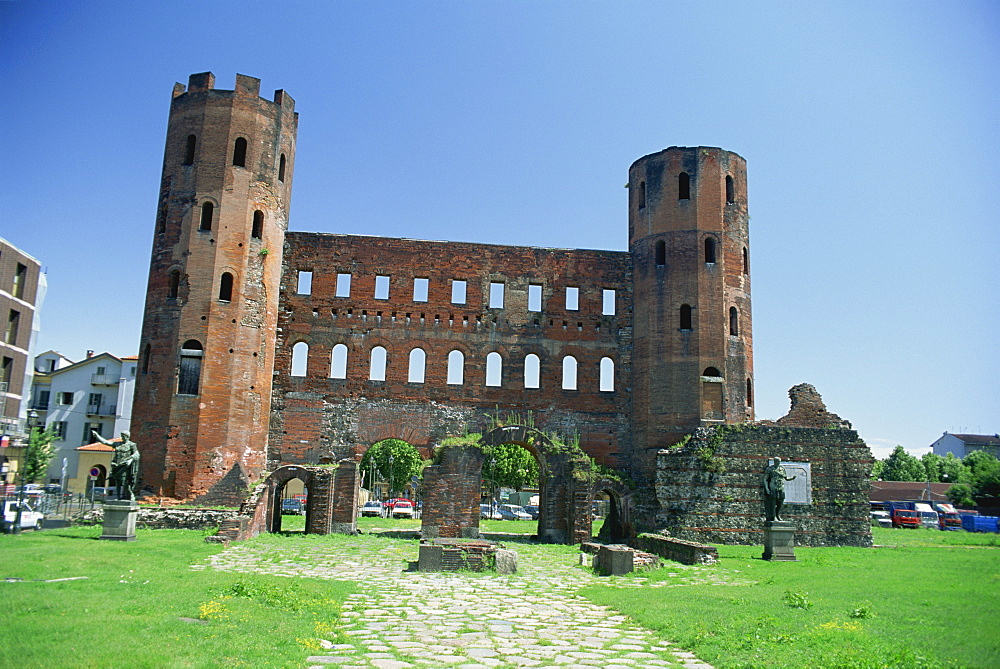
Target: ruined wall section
{"x": 315, "y": 416}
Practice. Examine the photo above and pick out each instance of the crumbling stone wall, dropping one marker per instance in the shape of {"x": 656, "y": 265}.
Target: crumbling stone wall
{"x": 709, "y": 490}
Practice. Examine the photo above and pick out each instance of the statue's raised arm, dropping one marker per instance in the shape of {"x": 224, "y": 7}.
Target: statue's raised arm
{"x": 100, "y": 438}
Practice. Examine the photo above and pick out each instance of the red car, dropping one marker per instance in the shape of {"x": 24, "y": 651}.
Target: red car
{"x": 401, "y": 508}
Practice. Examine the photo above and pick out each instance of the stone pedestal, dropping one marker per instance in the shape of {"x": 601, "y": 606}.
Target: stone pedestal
{"x": 614, "y": 560}
{"x": 119, "y": 520}
{"x": 779, "y": 540}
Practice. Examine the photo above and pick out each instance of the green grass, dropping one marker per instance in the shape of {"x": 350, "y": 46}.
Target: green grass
{"x": 368, "y": 524}
{"x": 130, "y": 609}
{"x": 925, "y": 603}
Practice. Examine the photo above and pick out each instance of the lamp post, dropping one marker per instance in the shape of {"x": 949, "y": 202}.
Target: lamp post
{"x": 32, "y": 415}
{"x": 390, "y": 475}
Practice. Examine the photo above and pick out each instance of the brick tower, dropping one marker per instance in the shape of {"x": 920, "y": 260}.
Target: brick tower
{"x": 692, "y": 356}
{"x": 203, "y": 394}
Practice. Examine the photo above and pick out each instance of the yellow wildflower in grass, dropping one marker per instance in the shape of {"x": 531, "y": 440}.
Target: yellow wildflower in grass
{"x": 310, "y": 644}
{"x": 834, "y": 625}
{"x": 213, "y": 610}
{"x": 325, "y": 628}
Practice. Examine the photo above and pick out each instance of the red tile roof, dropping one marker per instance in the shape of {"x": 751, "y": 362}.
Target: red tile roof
{"x": 98, "y": 446}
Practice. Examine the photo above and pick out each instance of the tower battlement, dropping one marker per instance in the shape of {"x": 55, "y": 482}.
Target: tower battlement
{"x": 246, "y": 87}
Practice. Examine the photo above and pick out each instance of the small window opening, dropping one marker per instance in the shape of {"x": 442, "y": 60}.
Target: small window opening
{"x": 304, "y": 285}
{"x": 257, "y": 229}
{"x": 192, "y": 141}
{"x": 207, "y": 211}
{"x": 534, "y": 297}
{"x": 496, "y": 295}
{"x": 572, "y": 298}
{"x": 685, "y": 323}
{"x": 712, "y": 372}
{"x": 607, "y": 303}
{"x": 532, "y": 370}
{"x": 661, "y": 253}
{"x": 300, "y": 359}
{"x": 240, "y": 152}
{"x": 607, "y": 382}
{"x": 746, "y": 261}
{"x": 749, "y": 393}
{"x": 226, "y": 287}
{"x": 376, "y": 369}
{"x": 338, "y": 362}
{"x": 343, "y": 285}
{"x": 458, "y": 289}
{"x": 420, "y": 289}
{"x": 730, "y": 195}
{"x": 281, "y": 168}
{"x": 569, "y": 373}
{"x": 189, "y": 374}
{"x": 175, "y": 283}
{"x": 494, "y": 364}
{"x": 456, "y": 368}
{"x": 642, "y": 195}
{"x": 734, "y": 322}
{"x": 381, "y": 287}
{"x": 418, "y": 361}
{"x": 146, "y": 352}
{"x": 709, "y": 250}
{"x": 683, "y": 186}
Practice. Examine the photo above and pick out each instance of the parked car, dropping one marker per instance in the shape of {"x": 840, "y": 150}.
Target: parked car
{"x": 29, "y": 517}
{"x": 402, "y": 508}
{"x": 100, "y": 494}
{"x": 372, "y": 508}
{"x": 881, "y": 518}
{"x": 291, "y": 507}
{"x": 513, "y": 512}
{"x": 531, "y": 510}
{"x": 489, "y": 512}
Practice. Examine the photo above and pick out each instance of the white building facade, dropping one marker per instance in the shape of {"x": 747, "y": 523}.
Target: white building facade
{"x": 961, "y": 445}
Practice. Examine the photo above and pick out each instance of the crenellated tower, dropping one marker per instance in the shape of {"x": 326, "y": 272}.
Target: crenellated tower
{"x": 692, "y": 356}
{"x": 203, "y": 392}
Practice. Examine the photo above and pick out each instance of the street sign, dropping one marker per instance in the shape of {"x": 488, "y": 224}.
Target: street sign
{"x": 95, "y": 472}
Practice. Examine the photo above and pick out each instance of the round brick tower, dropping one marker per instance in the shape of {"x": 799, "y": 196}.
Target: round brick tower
{"x": 692, "y": 357}
{"x": 203, "y": 392}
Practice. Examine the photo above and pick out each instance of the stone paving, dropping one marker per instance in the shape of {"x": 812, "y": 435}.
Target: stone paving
{"x": 401, "y": 618}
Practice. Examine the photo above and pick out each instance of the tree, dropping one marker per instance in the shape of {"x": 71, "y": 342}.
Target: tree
{"x": 510, "y": 466}
{"x": 878, "y": 470}
{"x": 932, "y": 466}
{"x": 901, "y": 466}
{"x": 393, "y": 461}
{"x": 960, "y": 494}
{"x": 952, "y": 469}
{"x": 38, "y": 454}
{"x": 984, "y": 473}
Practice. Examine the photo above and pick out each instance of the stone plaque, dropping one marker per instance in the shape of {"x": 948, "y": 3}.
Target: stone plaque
{"x": 799, "y": 489}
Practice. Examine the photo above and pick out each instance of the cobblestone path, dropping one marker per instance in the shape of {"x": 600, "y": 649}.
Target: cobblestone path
{"x": 403, "y": 618}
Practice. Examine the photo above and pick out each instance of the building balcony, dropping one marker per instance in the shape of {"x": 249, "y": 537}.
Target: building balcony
{"x": 104, "y": 379}
{"x": 101, "y": 410}
{"x": 39, "y": 406}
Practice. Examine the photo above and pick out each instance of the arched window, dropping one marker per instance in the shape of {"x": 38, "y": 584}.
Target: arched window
{"x": 685, "y": 323}
{"x": 709, "y": 250}
{"x": 712, "y": 372}
{"x": 661, "y": 253}
{"x": 418, "y": 360}
{"x": 569, "y": 373}
{"x": 746, "y": 261}
{"x": 281, "y": 168}
{"x": 300, "y": 359}
{"x": 749, "y": 392}
{"x": 456, "y": 368}
{"x": 189, "y": 373}
{"x": 532, "y": 370}
{"x": 730, "y": 193}
{"x": 257, "y": 229}
{"x": 240, "y": 152}
{"x": 683, "y": 186}
{"x": 607, "y": 375}
{"x": 226, "y": 287}
{"x": 146, "y": 351}
{"x": 734, "y": 322}
{"x": 207, "y": 211}
{"x": 338, "y": 362}
{"x": 494, "y": 362}
{"x": 376, "y": 369}
{"x": 642, "y": 195}
{"x": 192, "y": 141}
{"x": 175, "y": 283}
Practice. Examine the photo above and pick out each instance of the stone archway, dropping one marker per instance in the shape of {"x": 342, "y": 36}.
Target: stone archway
{"x": 617, "y": 528}
{"x": 331, "y": 505}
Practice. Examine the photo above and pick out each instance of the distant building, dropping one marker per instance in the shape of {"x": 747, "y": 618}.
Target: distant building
{"x": 74, "y": 399}
{"x": 962, "y": 444}
{"x": 22, "y": 289}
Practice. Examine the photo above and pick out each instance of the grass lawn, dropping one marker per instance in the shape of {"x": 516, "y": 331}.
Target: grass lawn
{"x": 369, "y": 524}
{"x": 927, "y": 599}
{"x": 141, "y": 605}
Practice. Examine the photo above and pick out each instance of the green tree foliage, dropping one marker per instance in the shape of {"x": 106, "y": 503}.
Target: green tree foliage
{"x": 878, "y": 470}
{"x": 393, "y": 461}
{"x": 952, "y": 469}
{"x": 510, "y": 466}
{"x": 932, "y": 467}
{"x": 38, "y": 454}
{"x": 901, "y": 466}
{"x": 984, "y": 473}
{"x": 961, "y": 494}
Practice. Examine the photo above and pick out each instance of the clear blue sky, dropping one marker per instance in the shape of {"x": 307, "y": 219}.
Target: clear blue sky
{"x": 870, "y": 130}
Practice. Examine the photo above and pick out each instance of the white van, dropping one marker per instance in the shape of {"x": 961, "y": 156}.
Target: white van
{"x": 928, "y": 516}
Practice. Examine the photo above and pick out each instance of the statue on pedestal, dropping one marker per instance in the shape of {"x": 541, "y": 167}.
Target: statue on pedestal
{"x": 124, "y": 464}
{"x": 774, "y": 489}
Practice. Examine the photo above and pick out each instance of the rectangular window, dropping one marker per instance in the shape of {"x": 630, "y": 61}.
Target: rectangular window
{"x": 305, "y": 283}
{"x": 534, "y": 297}
{"x": 420, "y": 288}
{"x": 572, "y": 298}
{"x": 608, "y": 302}
{"x": 20, "y": 278}
{"x": 101, "y": 371}
{"x": 496, "y": 295}
{"x": 58, "y": 428}
{"x": 8, "y": 371}
{"x": 95, "y": 399}
{"x": 42, "y": 400}
{"x": 381, "y": 288}
{"x": 89, "y": 438}
{"x": 343, "y": 285}
{"x": 458, "y": 291}
{"x": 65, "y": 398}
{"x": 13, "y": 320}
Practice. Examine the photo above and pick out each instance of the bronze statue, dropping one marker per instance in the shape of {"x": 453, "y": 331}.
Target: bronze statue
{"x": 124, "y": 464}
{"x": 774, "y": 489}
